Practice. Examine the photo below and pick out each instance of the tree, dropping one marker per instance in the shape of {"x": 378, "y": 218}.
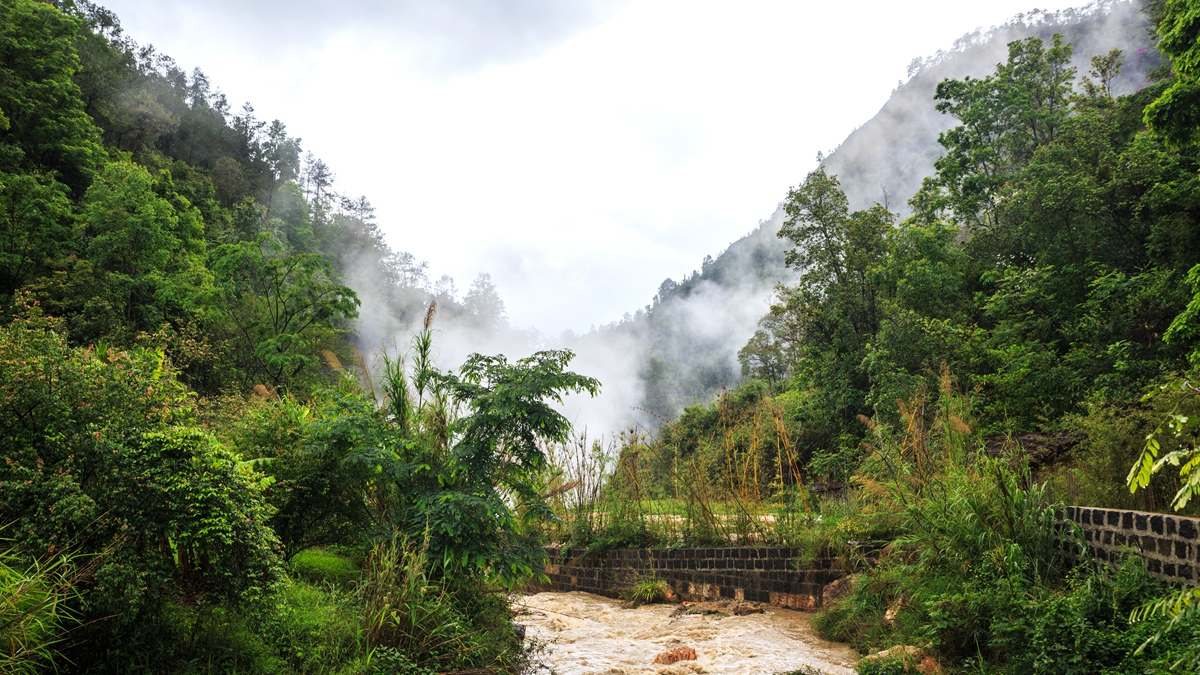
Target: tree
{"x": 483, "y": 303}
{"x": 318, "y": 456}
{"x": 48, "y": 129}
{"x": 1175, "y": 114}
{"x": 148, "y": 253}
{"x": 496, "y": 456}
{"x": 283, "y": 309}
{"x": 1004, "y": 118}
{"x": 104, "y": 456}
{"x": 834, "y": 309}
{"x": 766, "y": 355}
{"x": 35, "y": 228}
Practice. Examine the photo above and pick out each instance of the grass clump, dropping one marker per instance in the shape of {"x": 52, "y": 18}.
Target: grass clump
{"x": 649, "y": 590}
{"x": 34, "y": 610}
{"x": 417, "y": 622}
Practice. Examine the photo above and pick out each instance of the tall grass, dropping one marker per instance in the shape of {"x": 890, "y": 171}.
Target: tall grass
{"x": 404, "y": 609}
{"x": 34, "y": 609}
{"x": 743, "y": 484}
{"x": 450, "y": 624}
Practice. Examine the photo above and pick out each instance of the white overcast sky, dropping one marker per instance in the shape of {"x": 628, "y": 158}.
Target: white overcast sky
{"x": 580, "y": 151}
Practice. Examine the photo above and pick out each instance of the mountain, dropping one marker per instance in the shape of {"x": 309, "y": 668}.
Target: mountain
{"x": 682, "y": 348}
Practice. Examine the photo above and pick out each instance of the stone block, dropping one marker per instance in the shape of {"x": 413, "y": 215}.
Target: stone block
{"x": 1187, "y": 528}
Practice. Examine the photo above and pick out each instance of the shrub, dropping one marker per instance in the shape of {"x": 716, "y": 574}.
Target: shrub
{"x": 103, "y": 454}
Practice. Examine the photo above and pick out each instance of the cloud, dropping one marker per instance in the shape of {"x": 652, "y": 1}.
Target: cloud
{"x": 441, "y": 37}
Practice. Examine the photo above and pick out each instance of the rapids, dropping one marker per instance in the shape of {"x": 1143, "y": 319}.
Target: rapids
{"x": 591, "y": 635}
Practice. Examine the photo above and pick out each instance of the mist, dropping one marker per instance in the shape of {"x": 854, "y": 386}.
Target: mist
{"x": 681, "y": 348}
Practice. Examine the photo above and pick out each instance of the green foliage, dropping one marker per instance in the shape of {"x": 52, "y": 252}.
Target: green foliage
{"x": 497, "y": 452}
{"x": 1042, "y": 264}
{"x": 312, "y": 452}
{"x": 35, "y": 227}
{"x": 173, "y": 408}
{"x": 1175, "y": 114}
{"x": 103, "y": 449}
{"x": 420, "y": 625}
{"x": 835, "y": 304}
{"x": 976, "y": 571}
{"x": 319, "y": 566}
{"x": 283, "y": 309}
{"x": 47, "y": 129}
{"x": 314, "y": 630}
{"x": 649, "y": 590}
{"x": 34, "y": 609}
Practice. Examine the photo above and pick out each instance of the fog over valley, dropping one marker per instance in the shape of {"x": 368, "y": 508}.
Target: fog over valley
{"x": 512, "y": 337}
{"x": 561, "y": 235}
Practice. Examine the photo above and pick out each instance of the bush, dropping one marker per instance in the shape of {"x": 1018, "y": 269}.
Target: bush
{"x": 104, "y": 455}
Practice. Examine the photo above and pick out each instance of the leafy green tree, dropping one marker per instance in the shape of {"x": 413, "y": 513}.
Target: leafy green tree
{"x": 1004, "y": 118}
{"x": 496, "y": 457}
{"x": 318, "y": 457}
{"x": 48, "y": 129}
{"x": 283, "y": 309}
{"x": 765, "y": 356}
{"x": 35, "y": 228}
{"x": 463, "y": 455}
{"x": 148, "y": 253}
{"x": 104, "y": 457}
{"x": 835, "y": 308}
{"x": 1175, "y": 114}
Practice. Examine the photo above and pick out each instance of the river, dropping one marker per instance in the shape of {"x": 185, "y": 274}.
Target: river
{"x": 591, "y": 635}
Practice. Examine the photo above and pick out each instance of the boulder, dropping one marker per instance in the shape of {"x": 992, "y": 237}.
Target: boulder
{"x": 836, "y": 591}
{"x": 674, "y": 655}
{"x": 913, "y": 657}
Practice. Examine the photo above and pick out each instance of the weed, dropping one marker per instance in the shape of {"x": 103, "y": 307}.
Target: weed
{"x": 649, "y": 590}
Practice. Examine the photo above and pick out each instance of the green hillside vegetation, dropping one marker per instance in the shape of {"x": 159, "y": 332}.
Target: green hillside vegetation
{"x": 200, "y": 473}
{"x": 929, "y": 392}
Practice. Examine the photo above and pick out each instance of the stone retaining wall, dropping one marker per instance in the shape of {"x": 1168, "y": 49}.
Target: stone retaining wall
{"x": 737, "y": 573}
{"x": 1170, "y": 544}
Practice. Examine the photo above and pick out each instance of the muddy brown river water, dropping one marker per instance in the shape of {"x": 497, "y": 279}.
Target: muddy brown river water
{"x": 592, "y": 635}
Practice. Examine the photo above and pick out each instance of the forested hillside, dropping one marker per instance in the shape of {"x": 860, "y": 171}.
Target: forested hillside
{"x": 201, "y": 472}
{"x": 691, "y": 332}
{"x": 217, "y": 458}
